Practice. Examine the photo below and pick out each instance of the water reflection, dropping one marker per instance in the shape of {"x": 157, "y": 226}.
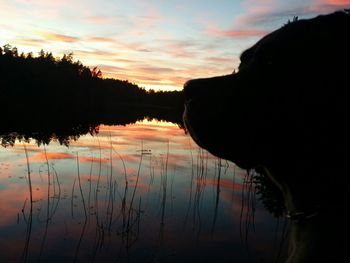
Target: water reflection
{"x": 67, "y": 128}
{"x": 137, "y": 193}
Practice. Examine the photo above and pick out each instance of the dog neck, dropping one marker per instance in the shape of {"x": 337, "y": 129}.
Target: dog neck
{"x": 316, "y": 236}
{"x": 315, "y": 233}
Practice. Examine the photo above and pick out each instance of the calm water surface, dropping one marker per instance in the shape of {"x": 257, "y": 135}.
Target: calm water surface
{"x": 138, "y": 193}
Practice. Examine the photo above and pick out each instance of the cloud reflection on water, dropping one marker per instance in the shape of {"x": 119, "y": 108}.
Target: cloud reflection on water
{"x": 174, "y": 195}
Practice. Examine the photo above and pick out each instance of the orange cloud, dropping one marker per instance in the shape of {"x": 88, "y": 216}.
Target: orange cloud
{"x": 279, "y": 12}
{"x": 149, "y": 137}
{"x": 12, "y": 200}
{"x": 221, "y": 59}
{"x": 224, "y": 183}
{"x": 338, "y": 2}
{"x": 155, "y": 70}
{"x": 237, "y": 33}
{"x": 30, "y": 41}
{"x": 85, "y": 159}
{"x": 129, "y": 157}
{"x": 323, "y": 6}
{"x": 180, "y": 48}
{"x": 40, "y": 157}
{"x": 59, "y": 37}
{"x": 101, "y": 40}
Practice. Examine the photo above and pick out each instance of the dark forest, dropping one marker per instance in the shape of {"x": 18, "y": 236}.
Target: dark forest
{"x": 60, "y": 95}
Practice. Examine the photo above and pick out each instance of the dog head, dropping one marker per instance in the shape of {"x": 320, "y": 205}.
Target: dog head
{"x": 285, "y": 107}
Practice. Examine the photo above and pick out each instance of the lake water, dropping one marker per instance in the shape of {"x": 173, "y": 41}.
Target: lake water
{"x": 137, "y": 193}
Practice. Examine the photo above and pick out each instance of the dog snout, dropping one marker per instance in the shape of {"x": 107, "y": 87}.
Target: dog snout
{"x": 199, "y": 89}
{"x": 206, "y": 88}
{"x": 191, "y": 89}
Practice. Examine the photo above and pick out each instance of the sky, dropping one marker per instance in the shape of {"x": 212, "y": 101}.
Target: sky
{"x": 158, "y": 44}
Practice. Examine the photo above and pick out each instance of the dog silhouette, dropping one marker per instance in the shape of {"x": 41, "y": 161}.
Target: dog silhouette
{"x": 285, "y": 113}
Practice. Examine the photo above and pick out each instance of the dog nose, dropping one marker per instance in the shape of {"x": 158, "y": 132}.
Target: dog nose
{"x": 206, "y": 88}
{"x": 198, "y": 89}
{"x": 191, "y": 87}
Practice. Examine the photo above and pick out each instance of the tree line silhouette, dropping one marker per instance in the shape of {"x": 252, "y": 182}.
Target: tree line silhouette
{"x": 42, "y": 91}
{"x": 44, "y": 97}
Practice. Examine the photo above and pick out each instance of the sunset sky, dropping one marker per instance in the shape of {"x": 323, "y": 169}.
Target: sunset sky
{"x": 156, "y": 44}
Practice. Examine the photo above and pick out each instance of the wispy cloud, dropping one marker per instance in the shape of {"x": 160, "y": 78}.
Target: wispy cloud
{"x": 95, "y": 19}
{"x": 225, "y": 183}
{"x": 326, "y": 6}
{"x": 221, "y": 59}
{"x": 345, "y": 3}
{"x": 277, "y": 12}
{"x": 41, "y": 157}
{"x": 147, "y": 21}
{"x": 177, "y": 48}
{"x": 112, "y": 69}
{"x": 100, "y": 39}
{"x": 35, "y": 42}
{"x": 86, "y": 159}
{"x": 237, "y": 33}
{"x": 155, "y": 70}
{"x": 10, "y": 200}
{"x": 59, "y": 37}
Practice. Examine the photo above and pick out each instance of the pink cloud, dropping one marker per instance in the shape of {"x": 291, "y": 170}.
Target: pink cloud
{"x": 279, "y": 11}
{"x": 224, "y": 183}
{"x": 337, "y": 2}
{"x": 180, "y": 48}
{"x": 237, "y": 33}
{"x": 150, "y": 17}
{"x": 222, "y": 59}
{"x": 323, "y": 7}
{"x": 30, "y": 42}
{"x": 155, "y": 70}
{"x": 101, "y": 39}
{"x": 147, "y": 21}
{"x": 128, "y": 157}
{"x": 85, "y": 159}
{"x": 99, "y": 19}
{"x": 327, "y": 6}
{"x": 41, "y": 157}
{"x": 59, "y": 37}
{"x": 12, "y": 200}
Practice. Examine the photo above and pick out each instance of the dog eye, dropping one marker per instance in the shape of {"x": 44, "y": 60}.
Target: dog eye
{"x": 263, "y": 59}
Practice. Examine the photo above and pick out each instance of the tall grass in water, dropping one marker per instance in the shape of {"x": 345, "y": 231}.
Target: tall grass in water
{"x": 98, "y": 185}
{"x": 199, "y": 172}
{"x": 201, "y": 175}
{"x": 48, "y": 206}
{"x": 253, "y": 190}
{"x": 164, "y": 184}
{"x": 248, "y": 202}
{"x": 29, "y": 221}
{"x": 125, "y": 194}
{"x": 85, "y": 213}
{"x": 99, "y": 229}
{"x": 131, "y": 220}
{"x": 51, "y": 208}
{"x": 191, "y": 184}
{"x": 217, "y": 196}
{"x": 90, "y": 207}
{"x": 112, "y": 186}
